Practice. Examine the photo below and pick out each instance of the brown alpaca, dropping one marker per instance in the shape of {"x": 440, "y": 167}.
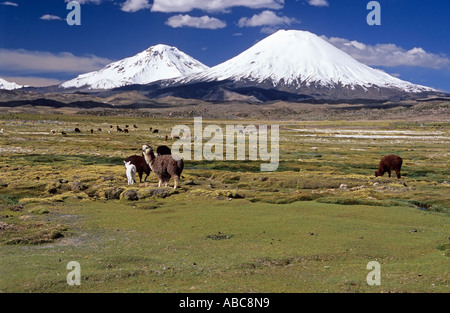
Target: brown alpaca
{"x": 165, "y": 166}
{"x": 141, "y": 166}
{"x": 389, "y": 163}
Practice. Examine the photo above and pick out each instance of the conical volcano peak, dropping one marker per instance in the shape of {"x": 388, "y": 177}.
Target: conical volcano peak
{"x": 300, "y": 59}
{"x": 153, "y": 64}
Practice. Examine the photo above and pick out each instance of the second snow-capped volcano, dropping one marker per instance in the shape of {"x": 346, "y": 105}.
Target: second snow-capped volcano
{"x": 156, "y": 63}
{"x": 300, "y": 60}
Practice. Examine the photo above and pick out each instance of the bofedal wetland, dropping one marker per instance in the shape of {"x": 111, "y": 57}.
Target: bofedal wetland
{"x": 312, "y": 225}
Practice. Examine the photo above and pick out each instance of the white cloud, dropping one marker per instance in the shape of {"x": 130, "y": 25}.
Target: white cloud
{"x": 389, "y": 55}
{"x": 204, "y": 22}
{"x": 19, "y": 62}
{"x": 49, "y": 17}
{"x": 135, "y": 5}
{"x": 13, "y": 4}
{"x": 266, "y": 18}
{"x": 318, "y": 3}
{"x": 170, "y": 6}
{"x": 87, "y": 1}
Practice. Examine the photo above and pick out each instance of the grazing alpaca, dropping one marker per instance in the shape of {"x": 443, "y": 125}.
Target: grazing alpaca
{"x": 141, "y": 166}
{"x": 389, "y": 163}
{"x": 77, "y": 130}
{"x": 163, "y": 150}
{"x": 131, "y": 172}
{"x": 164, "y": 166}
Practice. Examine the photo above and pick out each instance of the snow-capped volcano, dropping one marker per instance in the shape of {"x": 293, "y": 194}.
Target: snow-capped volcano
{"x": 300, "y": 60}
{"x": 8, "y": 85}
{"x": 156, "y": 63}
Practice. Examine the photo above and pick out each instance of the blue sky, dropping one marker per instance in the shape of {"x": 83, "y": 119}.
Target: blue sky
{"x": 38, "y": 47}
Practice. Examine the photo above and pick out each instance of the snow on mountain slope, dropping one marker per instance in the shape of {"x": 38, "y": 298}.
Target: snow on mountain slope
{"x": 300, "y": 58}
{"x": 8, "y": 86}
{"x": 155, "y": 63}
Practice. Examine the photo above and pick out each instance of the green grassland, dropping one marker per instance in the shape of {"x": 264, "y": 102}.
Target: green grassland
{"x": 311, "y": 226}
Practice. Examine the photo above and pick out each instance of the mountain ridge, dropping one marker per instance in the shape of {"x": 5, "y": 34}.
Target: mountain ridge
{"x": 6, "y": 85}
{"x": 289, "y": 65}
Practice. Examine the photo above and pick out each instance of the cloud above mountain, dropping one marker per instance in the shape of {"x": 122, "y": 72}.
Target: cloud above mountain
{"x": 171, "y": 6}
{"x": 21, "y": 61}
{"x": 318, "y": 3}
{"x": 50, "y": 17}
{"x": 135, "y": 5}
{"x": 389, "y": 55}
{"x": 204, "y": 22}
{"x": 9, "y": 3}
{"x": 269, "y": 20}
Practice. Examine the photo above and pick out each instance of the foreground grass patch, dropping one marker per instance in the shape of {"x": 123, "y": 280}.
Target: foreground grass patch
{"x": 234, "y": 246}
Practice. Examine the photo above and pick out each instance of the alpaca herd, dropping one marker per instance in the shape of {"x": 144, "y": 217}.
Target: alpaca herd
{"x": 166, "y": 166}
{"x": 163, "y": 164}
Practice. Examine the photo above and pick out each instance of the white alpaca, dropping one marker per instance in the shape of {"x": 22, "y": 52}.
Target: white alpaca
{"x": 131, "y": 172}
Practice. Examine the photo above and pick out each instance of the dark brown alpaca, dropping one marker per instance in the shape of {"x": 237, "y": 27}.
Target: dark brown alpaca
{"x": 389, "y": 163}
{"x": 141, "y": 166}
{"x": 165, "y": 166}
{"x": 162, "y": 150}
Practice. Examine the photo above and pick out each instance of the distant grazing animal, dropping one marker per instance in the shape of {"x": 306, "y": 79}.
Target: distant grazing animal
{"x": 135, "y": 126}
{"x": 164, "y": 166}
{"x": 77, "y": 130}
{"x": 52, "y": 132}
{"x": 125, "y": 130}
{"x": 131, "y": 172}
{"x": 155, "y": 131}
{"x": 119, "y": 129}
{"x": 389, "y": 163}
{"x": 92, "y": 131}
{"x": 163, "y": 150}
{"x": 63, "y": 133}
{"x": 99, "y": 129}
{"x": 141, "y": 166}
